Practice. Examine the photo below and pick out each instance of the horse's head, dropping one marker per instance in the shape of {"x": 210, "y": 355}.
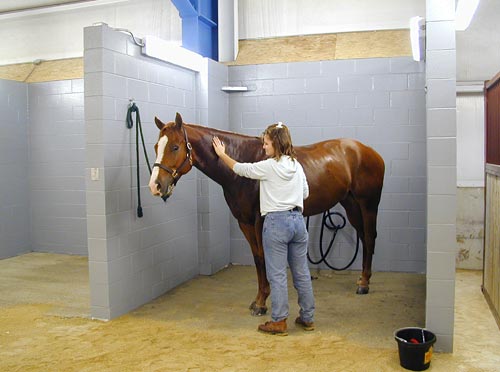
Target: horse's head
{"x": 173, "y": 157}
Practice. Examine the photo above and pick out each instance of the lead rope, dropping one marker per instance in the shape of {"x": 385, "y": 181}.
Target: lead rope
{"x": 327, "y": 216}
{"x": 138, "y": 129}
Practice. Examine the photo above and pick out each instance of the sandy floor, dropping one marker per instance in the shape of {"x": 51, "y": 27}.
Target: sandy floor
{"x": 204, "y": 325}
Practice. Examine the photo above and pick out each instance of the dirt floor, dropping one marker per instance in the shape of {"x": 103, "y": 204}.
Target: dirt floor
{"x": 204, "y": 325}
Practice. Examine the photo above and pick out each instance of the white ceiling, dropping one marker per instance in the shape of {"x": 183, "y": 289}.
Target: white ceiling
{"x": 478, "y": 55}
{"x": 16, "y": 5}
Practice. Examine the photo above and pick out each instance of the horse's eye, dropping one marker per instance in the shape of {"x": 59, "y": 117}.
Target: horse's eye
{"x": 175, "y": 148}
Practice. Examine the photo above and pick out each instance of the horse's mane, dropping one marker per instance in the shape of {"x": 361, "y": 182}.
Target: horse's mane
{"x": 241, "y": 147}
{"x": 221, "y": 132}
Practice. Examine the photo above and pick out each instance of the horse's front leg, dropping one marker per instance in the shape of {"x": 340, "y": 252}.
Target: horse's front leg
{"x": 253, "y": 234}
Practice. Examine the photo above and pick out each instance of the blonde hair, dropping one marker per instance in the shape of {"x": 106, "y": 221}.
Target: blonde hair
{"x": 281, "y": 139}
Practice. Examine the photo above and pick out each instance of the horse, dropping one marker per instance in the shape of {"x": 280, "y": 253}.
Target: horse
{"x": 341, "y": 171}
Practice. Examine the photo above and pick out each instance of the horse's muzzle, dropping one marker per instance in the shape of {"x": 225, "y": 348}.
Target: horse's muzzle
{"x": 162, "y": 188}
{"x": 168, "y": 193}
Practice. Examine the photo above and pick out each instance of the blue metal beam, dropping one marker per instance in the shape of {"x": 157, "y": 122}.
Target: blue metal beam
{"x": 199, "y": 26}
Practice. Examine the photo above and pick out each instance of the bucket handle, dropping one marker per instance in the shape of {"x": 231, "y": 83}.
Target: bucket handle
{"x": 400, "y": 339}
{"x": 403, "y": 340}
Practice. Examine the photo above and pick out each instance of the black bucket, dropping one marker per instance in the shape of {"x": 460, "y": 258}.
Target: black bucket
{"x": 415, "y": 348}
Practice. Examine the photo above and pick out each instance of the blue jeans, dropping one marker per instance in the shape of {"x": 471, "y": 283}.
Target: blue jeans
{"x": 285, "y": 237}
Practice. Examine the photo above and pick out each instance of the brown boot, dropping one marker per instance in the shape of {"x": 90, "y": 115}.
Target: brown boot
{"x": 274, "y": 328}
{"x": 307, "y": 326}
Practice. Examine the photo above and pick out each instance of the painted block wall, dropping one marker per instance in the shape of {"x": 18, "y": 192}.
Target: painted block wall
{"x": 441, "y": 169}
{"x": 380, "y": 102}
{"x": 14, "y": 153}
{"x": 57, "y": 167}
{"x": 133, "y": 260}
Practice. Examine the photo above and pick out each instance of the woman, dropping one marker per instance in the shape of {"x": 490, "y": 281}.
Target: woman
{"x": 283, "y": 188}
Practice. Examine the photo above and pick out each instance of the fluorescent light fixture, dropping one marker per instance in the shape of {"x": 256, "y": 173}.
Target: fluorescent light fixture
{"x": 417, "y": 37}
{"x": 169, "y": 52}
{"x": 464, "y": 13}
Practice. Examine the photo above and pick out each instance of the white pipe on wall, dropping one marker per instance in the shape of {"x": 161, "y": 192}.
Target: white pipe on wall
{"x": 228, "y": 30}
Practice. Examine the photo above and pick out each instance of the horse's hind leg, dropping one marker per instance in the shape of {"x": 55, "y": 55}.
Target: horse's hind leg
{"x": 356, "y": 218}
{"x": 253, "y": 234}
{"x": 369, "y": 210}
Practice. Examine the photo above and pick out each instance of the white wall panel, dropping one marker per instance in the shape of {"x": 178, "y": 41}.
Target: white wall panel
{"x": 59, "y": 35}
{"x": 470, "y": 140}
{"x": 272, "y": 18}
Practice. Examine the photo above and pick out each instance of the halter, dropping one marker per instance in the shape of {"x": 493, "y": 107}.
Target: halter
{"x": 175, "y": 172}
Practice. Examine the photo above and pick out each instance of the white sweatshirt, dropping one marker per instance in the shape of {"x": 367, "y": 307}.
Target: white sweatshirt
{"x": 283, "y": 184}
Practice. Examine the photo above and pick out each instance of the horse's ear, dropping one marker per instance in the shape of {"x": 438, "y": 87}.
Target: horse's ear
{"x": 158, "y": 123}
{"x": 178, "y": 120}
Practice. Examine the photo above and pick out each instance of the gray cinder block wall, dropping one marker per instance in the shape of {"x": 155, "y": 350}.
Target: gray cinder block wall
{"x": 133, "y": 260}
{"x": 43, "y": 190}
{"x": 15, "y": 226}
{"x": 380, "y": 102}
{"x": 57, "y": 167}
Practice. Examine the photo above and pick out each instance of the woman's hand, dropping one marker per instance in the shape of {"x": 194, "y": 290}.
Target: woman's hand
{"x": 219, "y": 147}
{"x": 220, "y": 150}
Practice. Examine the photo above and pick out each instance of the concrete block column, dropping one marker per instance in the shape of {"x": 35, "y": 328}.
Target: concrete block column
{"x": 441, "y": 170}
{"x": 15, "y": 225}
{"x": 213, "y": 214}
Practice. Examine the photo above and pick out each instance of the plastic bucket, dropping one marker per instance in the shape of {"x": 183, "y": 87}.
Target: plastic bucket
{"x": 415, "y": 347}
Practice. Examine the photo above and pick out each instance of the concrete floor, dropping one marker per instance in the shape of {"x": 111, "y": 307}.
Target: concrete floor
{"x": 204, "y": 325}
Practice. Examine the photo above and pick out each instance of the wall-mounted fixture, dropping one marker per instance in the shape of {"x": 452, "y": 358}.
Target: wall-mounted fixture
{"x": 417, "y": 37}
{"x": 229, "y": 89}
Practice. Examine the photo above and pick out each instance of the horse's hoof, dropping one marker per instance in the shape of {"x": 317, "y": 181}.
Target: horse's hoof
{"x": 257, "y": 310}
{"x": 362, "y": 290}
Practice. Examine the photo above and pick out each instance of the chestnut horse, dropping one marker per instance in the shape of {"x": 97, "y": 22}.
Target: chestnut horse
{"x": 338, "y": 171}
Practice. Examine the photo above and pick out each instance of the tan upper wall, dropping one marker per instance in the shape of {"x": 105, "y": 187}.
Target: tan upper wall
{"x": 61, "y": 69}
{"x": 349, "y": 45}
